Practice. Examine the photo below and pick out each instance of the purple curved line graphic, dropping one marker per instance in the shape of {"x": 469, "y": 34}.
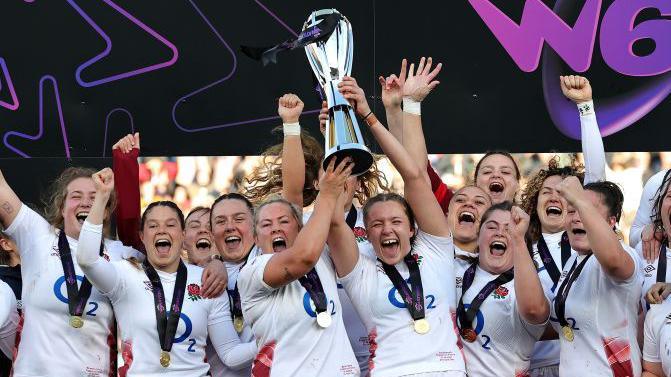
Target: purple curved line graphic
{"x": 614, "y": 114}
{"x": 228, "y": 76}
{"x": 108, "y": 47}
{"x": 107, "y": 121}
{"x": 41, "y": 121}
{"x": 10, "y": 86}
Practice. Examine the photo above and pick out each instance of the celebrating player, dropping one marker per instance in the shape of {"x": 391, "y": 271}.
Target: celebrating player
{"x": 289, "y": 293}
{"x": 171, "y": 339}
{"x": 596, "y": 303}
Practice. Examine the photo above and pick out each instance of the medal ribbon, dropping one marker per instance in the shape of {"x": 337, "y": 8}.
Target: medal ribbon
{"x": 661, "y": 265}
{"x": 413, "y": 296}
{"x": 466, "y": 316}
{"x": 313, "y": 285}
{"x": 234, "y": 294}
{"x": 548, "y": 261}
{"x": 351, "y": 217}
{"x": 77, "y": 297}
{"x": 562, "y": 293}
{"x": 166, "y": 325}
{"x": 317, "y": 33}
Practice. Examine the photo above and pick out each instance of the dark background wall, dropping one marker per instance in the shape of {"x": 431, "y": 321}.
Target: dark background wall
{"x": 87, "y": 72}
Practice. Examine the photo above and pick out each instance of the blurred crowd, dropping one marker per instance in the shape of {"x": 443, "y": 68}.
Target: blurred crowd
{"x": 197, "y": 181}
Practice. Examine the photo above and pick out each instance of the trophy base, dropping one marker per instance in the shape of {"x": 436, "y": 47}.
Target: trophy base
{"x": 361, "y": 156}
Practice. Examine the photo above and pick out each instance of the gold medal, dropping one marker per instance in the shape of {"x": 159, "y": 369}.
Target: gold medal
{"x": 238, "y": 324}
{"x": 76, "y": 322}
{"x": 165, "y": 359}
{"x": 469, "y": 335}
{"x": 568, "y": 333}
{"x": 422, "y": 326}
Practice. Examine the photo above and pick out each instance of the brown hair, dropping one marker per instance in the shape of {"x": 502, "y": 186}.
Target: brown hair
{"x": 533, "y": 188}
{"x": 492, "y": 153}
{"x": 58, "y": 191}
{"x": 392, "y": 197}
{"x": 266, "y": 179}
{"x": 5, "y": 256}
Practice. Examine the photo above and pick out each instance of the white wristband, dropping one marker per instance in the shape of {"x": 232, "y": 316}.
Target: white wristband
{"x": 586, "y": 108}
{"x": 411, "y": 106}
{"x": 291, "y": 129}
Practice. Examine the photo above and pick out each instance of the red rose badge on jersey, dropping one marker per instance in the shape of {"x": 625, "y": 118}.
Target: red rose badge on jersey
{"x": 194, "y": 292}
{"x": 501, "y": 292}
{"x": 360, "y": 234}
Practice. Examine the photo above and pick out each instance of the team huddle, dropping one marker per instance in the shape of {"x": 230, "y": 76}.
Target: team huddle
{"x": 315, "y": 272}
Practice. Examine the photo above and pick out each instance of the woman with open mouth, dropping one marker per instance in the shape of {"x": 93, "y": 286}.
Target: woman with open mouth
{"x": 289, "y": 293}
{"x": 77, "y": 321}
{"x": 405, "y": 295}
{"x": 502, "y": 310}
{"x": 596, "y": 302}
{"x": 171, "y": 339}
{"x": 463, "y": 217}
{"x": 232, "y": 223}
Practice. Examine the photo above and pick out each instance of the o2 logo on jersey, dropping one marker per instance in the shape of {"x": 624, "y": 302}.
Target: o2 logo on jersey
{"x": 396, "y": 300}
{"x": 59, "y": 287}
{"x": 309, "y": 306}
{"x": 479, "y": 326}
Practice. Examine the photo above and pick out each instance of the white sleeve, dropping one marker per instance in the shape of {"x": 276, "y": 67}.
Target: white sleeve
{"x": 250, "y": 281}
{"x": 225, "y": 340}
{"x": 98, "y": 271}
{"x": 644, "y": 212}
{"x": 650, "y": 335}
{"x": 441, "y": 246}
{"x": 358, "y": 285}
{"x": 592, "y": 149}
{"x": 26, "y": 230}
{"x": 9, "y": 319}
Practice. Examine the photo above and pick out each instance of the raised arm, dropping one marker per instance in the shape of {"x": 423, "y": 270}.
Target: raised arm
{"x": 9, "y": 203}
{"x": 416, "y": 87}
{"x": 579, "y": 90}
{"x": 287, "y": 266}
{"x": 392, "y": 98}
{"x": 225, "y": 340}
{"x": 127, "y": 172}
{"x": 428, "y": 213}
{"x": 341, "y": 241}
{"x": 289, "y": 107}
{"x": 530, "y": 298}
{"x": 606, "y": 247}
{"x": 102, "y": 274}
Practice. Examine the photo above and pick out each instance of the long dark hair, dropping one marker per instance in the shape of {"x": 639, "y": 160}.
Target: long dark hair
{"x": 656, "y": 216}
{"x": 611, "y": 196}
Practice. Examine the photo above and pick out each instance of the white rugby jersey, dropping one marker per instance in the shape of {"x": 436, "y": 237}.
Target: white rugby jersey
{"x": 217, "y": 367}
{"x": 396, "y": 349}
{"x": 546, "y": 352}
{"x": 45, "y": 330}
{"x": 9, "y": 319}
{"x": 603, "y": 314}
{"x": 649, "y": 272}
{"x": 505, "y": 340}
{"x": 356, "y": 331}
{"x": 284, "y": 323}
{"x": 133, "y": 303}
{"x": 657, "y": 336}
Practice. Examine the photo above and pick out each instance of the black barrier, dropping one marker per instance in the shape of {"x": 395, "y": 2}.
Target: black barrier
{"x": 76, "y": 75}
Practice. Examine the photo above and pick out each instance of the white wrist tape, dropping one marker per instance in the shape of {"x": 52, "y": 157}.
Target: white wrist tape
{"x": 411, "y": 106}
{"x": 291, "y": 129}
{"x": 586, "y": 108}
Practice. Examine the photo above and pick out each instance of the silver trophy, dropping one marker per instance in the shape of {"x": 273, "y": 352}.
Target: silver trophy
{"x": 330, "y": 61}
